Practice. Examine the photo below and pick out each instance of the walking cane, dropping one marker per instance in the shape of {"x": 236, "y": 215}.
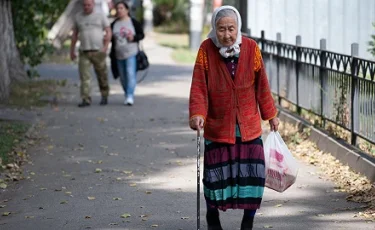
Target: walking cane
{"x": 198, "y": 177}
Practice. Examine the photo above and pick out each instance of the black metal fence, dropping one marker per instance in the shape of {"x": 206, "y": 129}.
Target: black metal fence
{"x": 336, "y": 87}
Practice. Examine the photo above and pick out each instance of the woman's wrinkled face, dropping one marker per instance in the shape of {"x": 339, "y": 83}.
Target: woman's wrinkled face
{"x": 121, "y": 10}
{"x": 226, "y": 31}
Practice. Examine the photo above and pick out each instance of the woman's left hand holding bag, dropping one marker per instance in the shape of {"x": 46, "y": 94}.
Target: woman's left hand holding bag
{"x": 274, "y": 124}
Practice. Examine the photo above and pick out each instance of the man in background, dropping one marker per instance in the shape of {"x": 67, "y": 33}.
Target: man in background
{"x": 89, "y": 28}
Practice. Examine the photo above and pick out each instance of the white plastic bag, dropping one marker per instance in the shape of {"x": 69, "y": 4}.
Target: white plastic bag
{"x": 281, "y": 167}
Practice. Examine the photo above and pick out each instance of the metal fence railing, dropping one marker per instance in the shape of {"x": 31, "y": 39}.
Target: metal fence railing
{"x": 336, "y": 87}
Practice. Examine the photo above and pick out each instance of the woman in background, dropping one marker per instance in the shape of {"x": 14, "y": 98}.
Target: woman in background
{"x": 127, "y": 32}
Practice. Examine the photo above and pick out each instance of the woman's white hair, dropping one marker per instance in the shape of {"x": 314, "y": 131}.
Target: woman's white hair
{"x": 225, "y": 11}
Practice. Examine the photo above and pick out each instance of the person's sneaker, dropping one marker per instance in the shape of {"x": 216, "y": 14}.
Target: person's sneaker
{"x": 83, "y": 104}
{"x": 104, "y": 101}
{"x": 129, "y": 101}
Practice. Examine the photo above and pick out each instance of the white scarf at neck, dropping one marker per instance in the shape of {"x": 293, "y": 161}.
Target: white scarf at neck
{"x": 235, "y": 48}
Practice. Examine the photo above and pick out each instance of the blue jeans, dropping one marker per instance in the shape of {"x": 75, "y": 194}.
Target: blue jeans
{"x": 128, "y": 74}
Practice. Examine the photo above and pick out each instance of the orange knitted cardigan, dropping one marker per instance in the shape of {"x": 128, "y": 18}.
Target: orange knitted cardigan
{"x": 223, "y": 101}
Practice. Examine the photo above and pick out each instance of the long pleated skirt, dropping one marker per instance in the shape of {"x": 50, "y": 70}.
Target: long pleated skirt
{"x": 234, "y": 174}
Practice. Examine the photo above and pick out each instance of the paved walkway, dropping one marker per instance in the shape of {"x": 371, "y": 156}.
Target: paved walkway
{"x": 99, "y": 163}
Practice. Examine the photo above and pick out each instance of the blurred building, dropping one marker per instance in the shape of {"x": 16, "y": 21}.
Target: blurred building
{"x": 102, "y": 6}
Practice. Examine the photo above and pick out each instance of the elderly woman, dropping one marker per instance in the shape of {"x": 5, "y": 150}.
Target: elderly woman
{"x": 229, "y": 96}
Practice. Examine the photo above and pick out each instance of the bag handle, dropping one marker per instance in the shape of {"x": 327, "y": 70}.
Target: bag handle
{"x": 140, "y": 46}
{"x": 277, "y": 136}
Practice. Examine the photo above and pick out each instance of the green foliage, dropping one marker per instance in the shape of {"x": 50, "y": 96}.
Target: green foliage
{"x": 184, "y": 56}
{"x": 167, "y": 3}
{"x": 169, "y": 12}
{"x": 32, "y": 19}
{"x": 33, "y": 93}
{"x": 372, "y": 43}
{"x": 10, "y": 134}
{"x": 230, "y": 2}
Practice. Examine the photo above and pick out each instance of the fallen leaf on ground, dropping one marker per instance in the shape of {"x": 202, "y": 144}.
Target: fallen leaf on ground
{"x": 87, "y": 217}
{"x": 98, "y": 170}
{"x": 148, "y": 192}
{"x": 2, "y": 206}
{"x": 101, "y": 119}
{"x": 117, "y": 198}
{"x": 359, "y": 188}
{"x": 125, "y": 215}
{"x": 28, "y": 197}
{"x": 6, "y": 213}
{"x": 267, "y": 226}
{"x": 278, "y": 205}
{"x": 63, "y": 202}
{"x": 3, "y": 186}
{"x": 91, "y": 198}
{"x": 185, "y": 218}
{"x": 154, "y": 225}
{"x": 133, "y": 185}
{"x": 29, "y": 217}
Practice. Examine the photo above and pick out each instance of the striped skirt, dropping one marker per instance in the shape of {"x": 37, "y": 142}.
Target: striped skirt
{"x": 234, "y": 175}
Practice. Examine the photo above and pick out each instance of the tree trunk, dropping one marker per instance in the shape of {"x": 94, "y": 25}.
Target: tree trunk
{"x": 62, "y": 28}
{"x": 11, "y": 67}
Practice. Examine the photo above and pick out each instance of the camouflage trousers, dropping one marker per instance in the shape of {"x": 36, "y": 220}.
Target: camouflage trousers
{"x": 98, "y": 60}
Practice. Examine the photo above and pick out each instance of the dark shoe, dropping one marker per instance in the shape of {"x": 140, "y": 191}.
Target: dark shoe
{"x": 83, "y": 104}
{"x": 213, "y": 221}
{"x": 104, "y": 101}
{"x": 247, "y": 224}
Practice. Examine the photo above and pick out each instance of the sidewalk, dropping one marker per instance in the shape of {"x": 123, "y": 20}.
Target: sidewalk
{"x": 100, "y": 163}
